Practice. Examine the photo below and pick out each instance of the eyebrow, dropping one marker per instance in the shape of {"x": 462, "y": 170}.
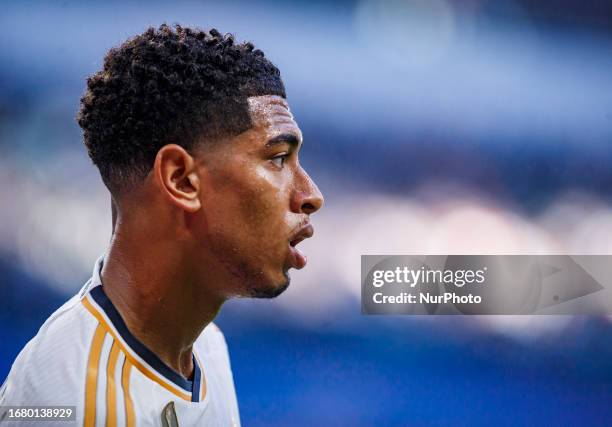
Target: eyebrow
{"x": 284, "y": 138}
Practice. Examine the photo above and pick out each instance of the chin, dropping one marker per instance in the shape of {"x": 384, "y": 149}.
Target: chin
{"x": 270, "y": 289}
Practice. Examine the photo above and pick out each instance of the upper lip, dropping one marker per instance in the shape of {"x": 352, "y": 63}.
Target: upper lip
{"x": 303, "y": 232}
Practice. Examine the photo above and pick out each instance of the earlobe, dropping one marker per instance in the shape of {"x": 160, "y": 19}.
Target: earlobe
{"x": 177, "y": 177}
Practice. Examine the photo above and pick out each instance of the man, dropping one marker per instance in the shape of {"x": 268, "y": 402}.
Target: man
{"x": 195, "y": 142}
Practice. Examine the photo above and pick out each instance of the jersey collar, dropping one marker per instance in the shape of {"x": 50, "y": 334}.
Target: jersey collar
{"x": 96, "y": 292}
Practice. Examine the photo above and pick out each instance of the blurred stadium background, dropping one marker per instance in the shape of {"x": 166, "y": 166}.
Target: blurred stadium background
{"x": 432, "y": 126}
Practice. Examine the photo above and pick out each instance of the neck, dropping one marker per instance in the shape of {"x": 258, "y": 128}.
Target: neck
{"x": 162, "y": 303}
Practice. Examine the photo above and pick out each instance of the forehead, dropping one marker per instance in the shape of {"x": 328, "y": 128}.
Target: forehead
{"x": 271, "y": 114}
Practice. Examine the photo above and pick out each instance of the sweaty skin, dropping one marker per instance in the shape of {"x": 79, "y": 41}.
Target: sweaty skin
{"x": 209, "y": 225}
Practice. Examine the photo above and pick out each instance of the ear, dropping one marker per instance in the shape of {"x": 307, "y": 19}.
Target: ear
{"x": 176, "y": 176}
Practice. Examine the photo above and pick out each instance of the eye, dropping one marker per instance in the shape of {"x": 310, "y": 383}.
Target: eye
{"x": 279, "y": 159}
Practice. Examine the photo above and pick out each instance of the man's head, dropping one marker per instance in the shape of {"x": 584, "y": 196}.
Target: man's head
{"x": 191, "y": 132}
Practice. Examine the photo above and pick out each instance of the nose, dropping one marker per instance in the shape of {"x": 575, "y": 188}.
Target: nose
{"x": 308, "y": 198}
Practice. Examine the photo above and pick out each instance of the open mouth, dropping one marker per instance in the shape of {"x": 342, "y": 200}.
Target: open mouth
{"x": 296, "y": 241}
{"x": 298, "y": 259}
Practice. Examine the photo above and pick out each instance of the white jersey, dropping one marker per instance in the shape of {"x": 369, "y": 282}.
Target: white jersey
{"x": 84, "y": 356}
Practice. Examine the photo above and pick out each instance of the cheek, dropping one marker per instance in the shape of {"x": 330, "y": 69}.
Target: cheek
{"x": 262, "y": 208}
{"x": 249, "y": 206}
{"x": 262, "y": 211}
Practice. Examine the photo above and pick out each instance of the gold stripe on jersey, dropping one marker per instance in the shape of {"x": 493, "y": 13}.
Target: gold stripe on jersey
{"x": 202, "y": 379}
{"x": 91, "y": 382}
{"x": 125, "y": 384}
{"x": 111, "y": 391}
{"x": 145, "y": 371}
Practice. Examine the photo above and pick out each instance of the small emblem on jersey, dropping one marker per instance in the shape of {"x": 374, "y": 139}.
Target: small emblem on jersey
{"x": 168, "y": 416}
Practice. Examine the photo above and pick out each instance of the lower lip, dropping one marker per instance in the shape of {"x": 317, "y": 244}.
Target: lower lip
{"x": 298, "y": 259}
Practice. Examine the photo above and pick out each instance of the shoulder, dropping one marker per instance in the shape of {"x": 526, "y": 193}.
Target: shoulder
{"x": 211, "y": 349}
{"x": 211, "y": 340}
{"x": 50, "y": 369}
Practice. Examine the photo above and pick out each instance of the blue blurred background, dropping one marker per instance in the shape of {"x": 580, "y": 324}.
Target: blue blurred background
{"x": 431, "y": 126}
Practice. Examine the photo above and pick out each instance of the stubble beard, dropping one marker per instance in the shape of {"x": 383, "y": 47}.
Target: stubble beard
{"x": 252, "y": 283}
{"x": 249, "y": 281}
{"x": 268, "y": 291}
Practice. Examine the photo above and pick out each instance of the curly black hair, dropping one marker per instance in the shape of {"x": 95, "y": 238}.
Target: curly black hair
{"x": 169, "y": 85}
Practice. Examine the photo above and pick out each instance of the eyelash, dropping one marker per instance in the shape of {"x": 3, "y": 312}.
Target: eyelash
{"x": 282, "y": 156}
